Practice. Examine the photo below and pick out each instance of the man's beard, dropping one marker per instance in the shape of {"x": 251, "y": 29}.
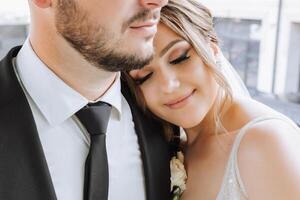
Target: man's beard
{"x": 95, "y": 43}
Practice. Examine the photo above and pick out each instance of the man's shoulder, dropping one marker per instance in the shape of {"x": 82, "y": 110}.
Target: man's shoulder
{"x": 9, "y": 85}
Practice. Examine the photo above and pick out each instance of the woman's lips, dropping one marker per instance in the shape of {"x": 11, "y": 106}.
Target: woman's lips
{"x": 180, "y": 102}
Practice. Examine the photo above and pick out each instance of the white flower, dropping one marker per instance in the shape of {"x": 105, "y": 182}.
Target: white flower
{"x": 178, "y": 173}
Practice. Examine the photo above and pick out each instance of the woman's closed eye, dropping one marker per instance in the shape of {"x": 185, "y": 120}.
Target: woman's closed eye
{"x": 141, "y": 80}
{"x": 181, "y": 58}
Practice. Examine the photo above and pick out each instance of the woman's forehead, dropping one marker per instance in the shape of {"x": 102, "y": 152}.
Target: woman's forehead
{"x": 164, "y": 35}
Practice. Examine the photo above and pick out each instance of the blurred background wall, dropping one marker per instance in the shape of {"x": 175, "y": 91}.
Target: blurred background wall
{"x": 14, "y": 20}
{"x": 261, "y": 38}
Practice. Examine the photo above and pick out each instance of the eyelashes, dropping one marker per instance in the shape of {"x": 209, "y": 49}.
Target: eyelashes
{"x": 143, "y": 79}
{"x": 183, "y": 57}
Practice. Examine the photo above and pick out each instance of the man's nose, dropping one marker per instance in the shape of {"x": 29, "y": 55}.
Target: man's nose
{"x": 152, "y": 4}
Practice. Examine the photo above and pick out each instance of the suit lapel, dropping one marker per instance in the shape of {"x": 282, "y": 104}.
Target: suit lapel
{"x": 23, "y": 169}
{"x": 24, "y": 172}
{"x": 154, "y": 150}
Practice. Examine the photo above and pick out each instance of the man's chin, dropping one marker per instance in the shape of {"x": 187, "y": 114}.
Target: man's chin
{"x": 145, "y": 52}
{"x": 120, "y": 61}
{"x": 142, "y": 46}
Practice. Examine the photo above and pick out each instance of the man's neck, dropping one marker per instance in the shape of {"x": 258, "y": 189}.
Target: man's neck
{"x": 90, "y": 81}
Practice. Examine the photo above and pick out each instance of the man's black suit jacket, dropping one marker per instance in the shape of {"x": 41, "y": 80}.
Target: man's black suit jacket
{"x": 24, "y": 174}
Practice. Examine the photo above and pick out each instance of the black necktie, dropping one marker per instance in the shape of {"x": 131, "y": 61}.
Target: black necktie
{"x": 95, "y": 118}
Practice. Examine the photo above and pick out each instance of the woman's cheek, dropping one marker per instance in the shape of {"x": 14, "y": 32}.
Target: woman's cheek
{"x": 147, "y": 92}
{"x": 152, "y": 99}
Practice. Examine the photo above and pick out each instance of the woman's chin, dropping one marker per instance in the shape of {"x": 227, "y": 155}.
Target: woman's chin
{"x": 189, "y": 123}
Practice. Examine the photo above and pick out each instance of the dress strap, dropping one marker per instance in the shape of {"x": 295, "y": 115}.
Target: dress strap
{"x": 239, "y": 137}
{"x": 243, "y": 130}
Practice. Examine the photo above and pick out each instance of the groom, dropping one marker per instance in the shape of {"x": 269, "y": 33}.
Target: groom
{"x": 72, "y": 58}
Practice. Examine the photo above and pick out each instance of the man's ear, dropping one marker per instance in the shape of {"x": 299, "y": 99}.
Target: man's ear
{"x": 42, "y": 3}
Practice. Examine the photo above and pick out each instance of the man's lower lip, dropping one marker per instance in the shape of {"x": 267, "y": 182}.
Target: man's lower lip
{"x": 144, "y": 30}
{"x": 181, "y": 103}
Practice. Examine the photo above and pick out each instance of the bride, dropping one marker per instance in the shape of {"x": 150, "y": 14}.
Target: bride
{"x": 236, "y": 147}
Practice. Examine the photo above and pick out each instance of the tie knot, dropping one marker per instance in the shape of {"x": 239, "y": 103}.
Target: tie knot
{"x": 95, "y": 117}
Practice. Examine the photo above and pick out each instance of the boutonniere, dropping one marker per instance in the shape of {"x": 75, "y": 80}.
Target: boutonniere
{"x": 178, "y": 176}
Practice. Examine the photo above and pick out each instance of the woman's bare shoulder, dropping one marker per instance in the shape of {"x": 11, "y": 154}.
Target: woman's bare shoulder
{"x": 269, "y": 161}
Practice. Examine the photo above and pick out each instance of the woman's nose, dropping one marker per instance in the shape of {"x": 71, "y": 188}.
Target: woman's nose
{"x": 169, "y": 82}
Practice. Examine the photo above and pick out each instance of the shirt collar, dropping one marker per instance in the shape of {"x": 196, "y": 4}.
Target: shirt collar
{"x": 113, "y": 96}
{"x": 55, "y": 99}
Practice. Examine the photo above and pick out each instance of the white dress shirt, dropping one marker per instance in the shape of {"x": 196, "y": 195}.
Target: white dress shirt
{"x": 66, "y": 143}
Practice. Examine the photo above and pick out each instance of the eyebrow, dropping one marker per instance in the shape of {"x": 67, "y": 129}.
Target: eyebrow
{"x": 169, "y": 46}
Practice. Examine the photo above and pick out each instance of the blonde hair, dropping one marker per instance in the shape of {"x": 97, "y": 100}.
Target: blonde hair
{"x": 194, "y": 22}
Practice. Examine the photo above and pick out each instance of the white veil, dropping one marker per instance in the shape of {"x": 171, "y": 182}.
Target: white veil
{"x": 235, "y": 82}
